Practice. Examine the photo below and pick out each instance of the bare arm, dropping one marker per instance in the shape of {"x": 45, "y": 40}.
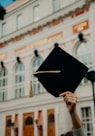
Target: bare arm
{"x": 77, "y": 123}
{"x": 71, "y": 100}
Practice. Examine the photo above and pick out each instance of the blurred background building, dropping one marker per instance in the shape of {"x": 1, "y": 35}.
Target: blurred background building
{"x": 28, "y": 31}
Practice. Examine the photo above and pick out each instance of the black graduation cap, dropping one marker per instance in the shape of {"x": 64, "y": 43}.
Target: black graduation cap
{"x": 60, "y": 72}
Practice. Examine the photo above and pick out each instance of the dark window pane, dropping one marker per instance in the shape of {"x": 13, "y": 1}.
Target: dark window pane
{"x": 51, "y": 118}
{"x": 29, "y": 121}
{"x": 9, "y": 123}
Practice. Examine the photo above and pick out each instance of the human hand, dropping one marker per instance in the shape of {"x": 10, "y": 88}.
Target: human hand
{"x": 70, "y": 100}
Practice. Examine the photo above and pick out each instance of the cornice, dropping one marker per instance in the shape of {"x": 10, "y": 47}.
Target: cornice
{"x": 47, "y": 21}
{"x": 32, "y": 104}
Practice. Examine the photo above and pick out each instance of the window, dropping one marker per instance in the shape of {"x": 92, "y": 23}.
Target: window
{"x": 29, "y": 121}
{"x": 51, "y": 118}
{"x": 9, "y": 123}
{"x": 83, "y": 53}
{"x": 19, "y": 21}
{"x": 36, "y": 13}
{"x": 37, "y": 87}
{"x": 4, "y": 29}
{"x": 20, "y": 78}
{"x": 56, "y": 5}
{"x": 3, "y": 84}
{"x": 87, "y": 119}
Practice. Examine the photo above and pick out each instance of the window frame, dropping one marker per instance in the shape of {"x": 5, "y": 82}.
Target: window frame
{"x": 3, "y": 84}
{"x": 87, "y": 119}
{"x": 19, "y": 81}
{"x": 77, "y": 45}
{"x": 19, "y": 20}
{"x": 37, "y": 87}
{"x": 4, "y": 28}
{"x": 36, "y": 16}
{"x": 56, "y": 5}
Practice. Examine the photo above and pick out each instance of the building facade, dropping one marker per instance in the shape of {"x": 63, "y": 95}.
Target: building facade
{"x": 27, "y": 35}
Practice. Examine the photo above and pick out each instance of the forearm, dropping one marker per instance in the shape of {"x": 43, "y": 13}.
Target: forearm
{"x": 77, "y": 123}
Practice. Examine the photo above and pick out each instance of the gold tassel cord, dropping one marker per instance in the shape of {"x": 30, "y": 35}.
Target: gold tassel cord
{"x": 31, "y": 90}
{"x": 50, "y": 71}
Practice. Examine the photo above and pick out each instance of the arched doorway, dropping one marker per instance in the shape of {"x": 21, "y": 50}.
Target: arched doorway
{"x": 28, "y": 124}
{"x": 51, "y": 122}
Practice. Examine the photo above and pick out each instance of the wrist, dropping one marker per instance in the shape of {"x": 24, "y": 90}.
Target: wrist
{"x": 73, "y": 111}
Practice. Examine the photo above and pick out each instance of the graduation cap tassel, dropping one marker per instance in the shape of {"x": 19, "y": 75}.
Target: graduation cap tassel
{"x": 30, "y": 91}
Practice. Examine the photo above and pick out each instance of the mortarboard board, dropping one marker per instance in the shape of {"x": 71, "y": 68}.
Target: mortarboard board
{"x": 60, "y": 72}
